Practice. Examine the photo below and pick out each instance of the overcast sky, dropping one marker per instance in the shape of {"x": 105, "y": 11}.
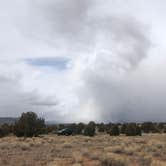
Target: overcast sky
{"x": 82, "y": 60}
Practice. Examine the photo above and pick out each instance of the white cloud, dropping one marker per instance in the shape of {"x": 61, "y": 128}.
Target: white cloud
{"x": 116, "y": 69}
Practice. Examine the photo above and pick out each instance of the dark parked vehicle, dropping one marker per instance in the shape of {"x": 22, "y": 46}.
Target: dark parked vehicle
{"x": 65, "y": 131}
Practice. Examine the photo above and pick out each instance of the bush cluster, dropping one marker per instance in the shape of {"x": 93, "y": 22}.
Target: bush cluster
{"x": 114, "y": 130}
{"x": 132, "y": 130}
{"x": 29, "y": 125}
{"x": 90, "y": 129}
{"x": 77, "y": 128}
{"x": 4, "y": 130}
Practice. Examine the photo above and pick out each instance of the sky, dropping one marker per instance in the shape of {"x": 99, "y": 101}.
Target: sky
{"x": 83, "y": 60}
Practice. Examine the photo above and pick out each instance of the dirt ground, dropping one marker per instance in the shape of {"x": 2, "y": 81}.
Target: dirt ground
{"x": 101, "y": 150}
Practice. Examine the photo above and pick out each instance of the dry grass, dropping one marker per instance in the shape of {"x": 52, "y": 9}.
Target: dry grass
{"x": 101, "y": 150}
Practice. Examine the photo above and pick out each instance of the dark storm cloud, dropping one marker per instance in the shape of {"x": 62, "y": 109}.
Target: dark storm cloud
{"x": 131, "y": 97}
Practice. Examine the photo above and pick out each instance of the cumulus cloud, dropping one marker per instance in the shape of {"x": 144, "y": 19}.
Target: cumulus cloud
{"x": 77, "y": 26}
{"x": 14, "y": 101}
{"x": 110, "y": 71}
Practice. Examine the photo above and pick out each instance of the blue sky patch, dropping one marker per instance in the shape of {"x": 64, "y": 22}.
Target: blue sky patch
{"x": 59, "y": 63}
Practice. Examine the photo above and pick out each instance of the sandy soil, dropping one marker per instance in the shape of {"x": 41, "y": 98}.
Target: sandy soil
{"x": 101, "y": 150}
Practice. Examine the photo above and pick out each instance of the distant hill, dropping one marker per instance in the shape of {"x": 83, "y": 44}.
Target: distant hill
{"x": 51, "y": 122}
{"x": 7, "y": 120}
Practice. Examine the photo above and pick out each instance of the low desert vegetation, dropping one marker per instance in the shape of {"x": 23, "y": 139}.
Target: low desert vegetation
{"x": 4, "y": 130}
{"x": 100, "y": 150}
{"x": 29, "y": 125}
{"x": 114, "y": 131}
{"x": 31, "y": 142}
{"x": 89, "y": 129}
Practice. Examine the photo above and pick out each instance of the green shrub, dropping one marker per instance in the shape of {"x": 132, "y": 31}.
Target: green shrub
{"x": 148, "y": 127}
{"x": 108, "y": 127}
{"x": 138, "y": 130}
{"x": 101, "y": 127}
{"x": 90, "y": 129}
{"x": 76, "y": 128}
{"x": 114, "y": 130}
{"x": 29, "y": 125}
{"x": 123, "y": 129}
{"x": 4, "y": 130}
{"x": 132, "y": 130}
